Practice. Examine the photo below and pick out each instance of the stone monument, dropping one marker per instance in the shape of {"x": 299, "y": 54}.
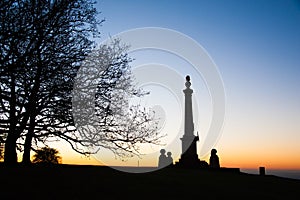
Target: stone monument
{"x": 189, "y": 157}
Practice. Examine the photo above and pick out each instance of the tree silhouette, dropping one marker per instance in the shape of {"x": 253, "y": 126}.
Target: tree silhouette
{"x": 118, "y": 125}
{"x": 42, "y": 44}
{"x": 47, "y": 155}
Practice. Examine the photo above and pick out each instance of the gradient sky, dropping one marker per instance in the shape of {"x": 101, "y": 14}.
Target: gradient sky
{"x": 256, "y": 47}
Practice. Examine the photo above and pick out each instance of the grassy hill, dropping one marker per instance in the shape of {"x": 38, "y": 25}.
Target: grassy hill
{"x": 97, "y": 182}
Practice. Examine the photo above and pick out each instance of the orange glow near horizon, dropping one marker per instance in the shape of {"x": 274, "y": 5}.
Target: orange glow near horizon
{"x": 268, "y": 158}
{"x": 237, "y": 152}
{"x": 246, "y": 161}
{"x": 242, "y": 160}
{"x": 231, "y": 155}
{"x": 226, "y": 161}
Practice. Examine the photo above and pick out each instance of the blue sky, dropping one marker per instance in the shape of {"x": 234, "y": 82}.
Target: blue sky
{"x": 256, "y": 47}
{"x": 256, "y": 43}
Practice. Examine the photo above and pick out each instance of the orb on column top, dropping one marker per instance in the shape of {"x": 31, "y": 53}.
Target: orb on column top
{"x": 188, "y": 83}
{"x": 188, "y": 78}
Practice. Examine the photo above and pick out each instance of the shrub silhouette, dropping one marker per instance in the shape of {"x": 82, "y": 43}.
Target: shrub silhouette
{"x": 47, "y": 155}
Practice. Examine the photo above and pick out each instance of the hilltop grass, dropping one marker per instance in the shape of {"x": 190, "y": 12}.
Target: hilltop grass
{"x": 97, "y": 182}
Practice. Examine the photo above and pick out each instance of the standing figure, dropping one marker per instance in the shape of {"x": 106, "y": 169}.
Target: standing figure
{"x": 169, "y": 159}
{"x": 214, "y": 159}
{"x": 162, "y": 161}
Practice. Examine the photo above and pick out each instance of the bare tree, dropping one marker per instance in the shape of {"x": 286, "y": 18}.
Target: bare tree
{"x": 103, "y": 112}
{"x": 43, "y": 45}
{"x": 98, "y": 113}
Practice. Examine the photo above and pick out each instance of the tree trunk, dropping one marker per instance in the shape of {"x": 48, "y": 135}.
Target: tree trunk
{"x": 33, "y": 110}
{"x": 27, "y": 148}
{"x": 10, "y": 152}
{"x": 27, "y": 145}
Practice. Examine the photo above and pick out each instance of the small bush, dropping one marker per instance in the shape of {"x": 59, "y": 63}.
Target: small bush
{"x": 47, "y": 155}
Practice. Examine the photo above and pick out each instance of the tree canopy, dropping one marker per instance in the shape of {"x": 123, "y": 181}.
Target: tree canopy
{"x": 45, "y": 51}
{"x": 42, "y": 43}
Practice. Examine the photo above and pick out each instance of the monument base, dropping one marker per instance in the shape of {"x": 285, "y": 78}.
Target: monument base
{"x": 191, "y": 163}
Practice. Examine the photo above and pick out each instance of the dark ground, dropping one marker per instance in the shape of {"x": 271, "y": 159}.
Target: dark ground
{"x": 95, "y": 182}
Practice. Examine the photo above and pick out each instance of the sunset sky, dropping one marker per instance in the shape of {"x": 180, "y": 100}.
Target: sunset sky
{"x": 256, "y": 48}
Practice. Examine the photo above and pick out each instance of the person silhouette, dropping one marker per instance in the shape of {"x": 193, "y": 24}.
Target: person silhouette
{"x": 214, "y": 159}
{"x": 169, "y": 159}
{"x": 162, "y": 161}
